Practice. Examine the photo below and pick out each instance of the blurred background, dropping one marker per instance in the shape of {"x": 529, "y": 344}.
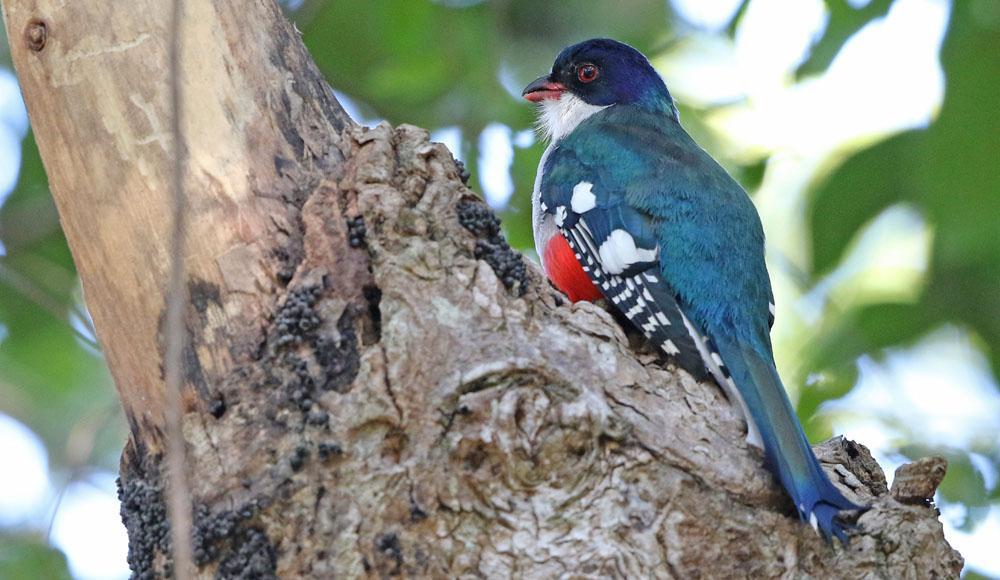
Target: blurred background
{"x": 866, "y": 131}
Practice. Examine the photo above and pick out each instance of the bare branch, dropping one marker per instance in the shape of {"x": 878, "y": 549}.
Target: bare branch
{"x": 178, "y": 493}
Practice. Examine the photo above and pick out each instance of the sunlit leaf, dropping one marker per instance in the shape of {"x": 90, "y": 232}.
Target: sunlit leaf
{"x": 844, "y": 21}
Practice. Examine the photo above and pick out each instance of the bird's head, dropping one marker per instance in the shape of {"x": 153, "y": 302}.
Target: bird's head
{"x": 598, "y": 73}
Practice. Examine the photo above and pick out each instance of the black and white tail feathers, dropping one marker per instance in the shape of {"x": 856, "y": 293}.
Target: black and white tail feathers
{"x": 641, "y": 294}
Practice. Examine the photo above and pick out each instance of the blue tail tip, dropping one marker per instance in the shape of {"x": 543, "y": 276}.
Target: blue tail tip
{"x": 834, "y": 521}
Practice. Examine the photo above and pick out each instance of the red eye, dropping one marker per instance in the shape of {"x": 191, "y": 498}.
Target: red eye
{"x": 586, "y": 73}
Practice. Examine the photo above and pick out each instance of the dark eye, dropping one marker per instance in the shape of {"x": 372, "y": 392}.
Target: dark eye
{"x": 586, "y": 73}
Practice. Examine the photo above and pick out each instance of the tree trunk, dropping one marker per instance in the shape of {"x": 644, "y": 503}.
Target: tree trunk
{"x": 376, "y": 384}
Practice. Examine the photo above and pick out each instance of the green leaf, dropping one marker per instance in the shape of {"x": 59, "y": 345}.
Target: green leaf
{"x": 26, "y": 556}
{"x": 869, "y": 329}
{"x": 844, "y": 20}
{"x": 831, "y": 384}
{"x": 857, "y": 192}
{"x": 517, "y": 216}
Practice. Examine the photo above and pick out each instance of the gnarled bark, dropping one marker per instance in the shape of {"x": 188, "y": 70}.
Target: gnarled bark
{"x": 377, "y": 384}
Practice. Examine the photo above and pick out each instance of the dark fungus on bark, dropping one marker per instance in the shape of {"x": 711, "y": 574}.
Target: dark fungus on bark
{"x": 463, "y": 171}
{"x": 491, "y": 246}
{"x": 356, "y": 231}
{"x": 217, "y": 406}
{"x": 229, "y": 537}
{"x": 389, "y": 555}
{"x": 203, "y": 294}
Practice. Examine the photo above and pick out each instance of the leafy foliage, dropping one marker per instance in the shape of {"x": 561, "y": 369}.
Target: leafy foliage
{"x": 948, "y": 171}
{"x": 51, "y": 375}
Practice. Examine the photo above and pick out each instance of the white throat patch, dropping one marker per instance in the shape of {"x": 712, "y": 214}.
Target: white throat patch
{"x": 558, "y": 118}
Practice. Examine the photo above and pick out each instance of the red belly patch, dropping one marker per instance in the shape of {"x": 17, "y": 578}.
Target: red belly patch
{"x": 562, "y": 267}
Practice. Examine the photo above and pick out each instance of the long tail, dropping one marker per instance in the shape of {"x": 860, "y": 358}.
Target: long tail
{"x": 786, "y": 448}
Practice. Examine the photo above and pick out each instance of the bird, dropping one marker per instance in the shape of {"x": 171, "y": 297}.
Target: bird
{"x": 628, "y": 208}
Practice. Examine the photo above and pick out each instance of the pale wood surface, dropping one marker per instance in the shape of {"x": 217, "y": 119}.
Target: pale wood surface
{"x": 259, "y": 126}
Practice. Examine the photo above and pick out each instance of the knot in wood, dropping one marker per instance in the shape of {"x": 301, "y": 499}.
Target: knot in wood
{"x": 36, "y": 34}
{"x": 532, "y": 437}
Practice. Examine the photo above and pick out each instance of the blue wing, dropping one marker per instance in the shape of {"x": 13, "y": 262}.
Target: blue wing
{"x": 596, "y": 224}
{"x": 693, "y": 230}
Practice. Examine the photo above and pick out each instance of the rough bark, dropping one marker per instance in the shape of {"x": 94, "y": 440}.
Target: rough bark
{"x": 377, "y": 384}
{"x": 261, "y": 129}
